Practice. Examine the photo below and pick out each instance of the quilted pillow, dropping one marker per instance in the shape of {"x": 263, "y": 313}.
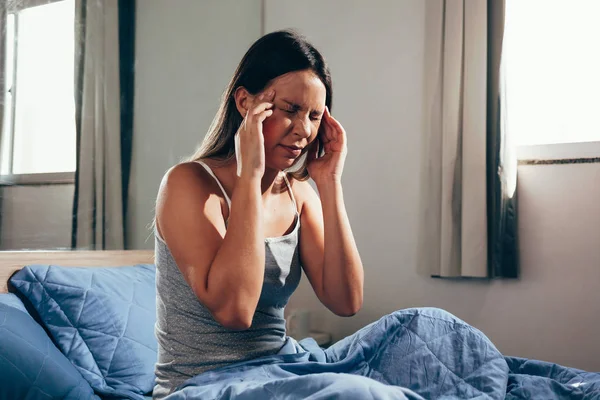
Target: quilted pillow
{"x": 102, "y": 319}
{"x": 31, "y": 367}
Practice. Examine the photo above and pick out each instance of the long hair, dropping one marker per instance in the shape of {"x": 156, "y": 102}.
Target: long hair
{"x": 272, "y": 55}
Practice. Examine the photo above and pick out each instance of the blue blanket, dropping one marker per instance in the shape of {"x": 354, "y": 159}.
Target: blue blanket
{"x": 530, "y": 379}
{"x": 411, "y": 354}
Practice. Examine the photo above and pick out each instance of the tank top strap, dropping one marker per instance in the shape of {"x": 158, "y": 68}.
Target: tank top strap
{"x": 210, "y": 171}
{"x": 287, "y": 182}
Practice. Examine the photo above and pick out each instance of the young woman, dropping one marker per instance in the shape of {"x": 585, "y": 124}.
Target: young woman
{"x": 235, "y": 224}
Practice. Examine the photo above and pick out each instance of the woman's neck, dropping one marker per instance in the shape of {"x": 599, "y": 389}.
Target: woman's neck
{"x": 270, "y": 182}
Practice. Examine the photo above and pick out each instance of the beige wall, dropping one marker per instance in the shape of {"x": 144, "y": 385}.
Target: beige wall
{"x": 376, "y": 51}
{"x": 35, "y": 217}
{"x": 185, "y": 56}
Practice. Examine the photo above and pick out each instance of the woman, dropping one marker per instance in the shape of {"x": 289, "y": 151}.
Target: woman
{"x": 234, "y": 225}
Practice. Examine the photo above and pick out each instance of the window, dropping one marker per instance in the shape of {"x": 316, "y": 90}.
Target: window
{"x": 552, "y": 65}
{"x": 38, "y": 134}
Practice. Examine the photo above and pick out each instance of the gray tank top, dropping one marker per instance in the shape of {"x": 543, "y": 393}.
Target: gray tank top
{"x": 190, "y": 341}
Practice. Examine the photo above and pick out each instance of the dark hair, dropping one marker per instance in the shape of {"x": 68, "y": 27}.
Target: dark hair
{"x": 272, "y": 55}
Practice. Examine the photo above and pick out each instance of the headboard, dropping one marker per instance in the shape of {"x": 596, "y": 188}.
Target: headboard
{"x": 12, "y": 261}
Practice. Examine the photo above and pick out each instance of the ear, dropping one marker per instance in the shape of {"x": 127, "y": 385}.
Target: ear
{"x": 243, "y": 100}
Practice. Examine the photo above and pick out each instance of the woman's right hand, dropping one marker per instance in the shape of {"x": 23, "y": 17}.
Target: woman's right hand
{"x": 249, "y": 141}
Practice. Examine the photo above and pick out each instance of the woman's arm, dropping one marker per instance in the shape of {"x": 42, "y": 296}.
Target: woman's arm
{"x": 328, "y": 251}
{"x": 329, "y": 254}
{"x": 224, "y": 267}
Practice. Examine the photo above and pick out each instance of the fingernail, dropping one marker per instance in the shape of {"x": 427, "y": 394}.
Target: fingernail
{"x": 271, "y": 92}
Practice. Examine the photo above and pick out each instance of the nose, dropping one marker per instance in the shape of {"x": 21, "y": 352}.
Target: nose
{"x": 303, "y": 127}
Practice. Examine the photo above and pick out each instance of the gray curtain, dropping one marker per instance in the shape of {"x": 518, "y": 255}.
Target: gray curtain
{"x": 502, "y": 190}
{"x": 104, "y": 104}
{"x": 470, "y": 203}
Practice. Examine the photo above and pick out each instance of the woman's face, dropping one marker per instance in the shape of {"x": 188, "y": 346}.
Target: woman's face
{"x": 299, "y": 104}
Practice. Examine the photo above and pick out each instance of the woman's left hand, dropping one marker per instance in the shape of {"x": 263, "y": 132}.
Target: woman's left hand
{"x": 328, "y": 168}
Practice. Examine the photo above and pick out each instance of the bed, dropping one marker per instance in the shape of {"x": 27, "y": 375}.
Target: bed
{"x": 79, "y": 325}
{"x": 46, "y": 355}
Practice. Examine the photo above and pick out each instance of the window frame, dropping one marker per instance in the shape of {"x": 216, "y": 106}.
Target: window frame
{"x": 559, "y": 153}
{"x": 10, "y": 179}
{"x": 21, "y": 5}
{"x": 43, "y": 178}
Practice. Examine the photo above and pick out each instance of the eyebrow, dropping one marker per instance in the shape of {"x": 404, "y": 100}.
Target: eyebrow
{"x": 297, "y": 106}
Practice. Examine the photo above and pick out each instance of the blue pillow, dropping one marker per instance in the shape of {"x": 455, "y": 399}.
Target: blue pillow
{"x": 11, "y": 300}
{"x": 102, "y": 319}
{"x": 31, "y": 367}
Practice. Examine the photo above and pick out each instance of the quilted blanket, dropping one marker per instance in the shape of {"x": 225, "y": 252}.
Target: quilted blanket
{"x": 422, "y": 353}
{"x": 411, "y": 354}
{"x": 532, "y": 379}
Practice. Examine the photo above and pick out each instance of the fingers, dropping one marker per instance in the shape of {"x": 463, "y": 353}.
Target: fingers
{"x": 329, "y": 127}
{"x": 335, "y": 131}
{"x": 335, "y": 123}
{"x": 313, "y": 151}
{"x": 330, "y": 120}
{"x": 261, "y": 109}
{"x": 262, "y": 102}
{"x": 238, "y": 155}
{"x": 263, "y": 115}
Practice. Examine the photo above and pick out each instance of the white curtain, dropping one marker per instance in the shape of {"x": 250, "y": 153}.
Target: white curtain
{"x": 98, "y": 206}
{"x": 456, "y": 209}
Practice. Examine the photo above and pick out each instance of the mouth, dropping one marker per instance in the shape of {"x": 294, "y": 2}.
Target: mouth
{"x": 292, "y": 151}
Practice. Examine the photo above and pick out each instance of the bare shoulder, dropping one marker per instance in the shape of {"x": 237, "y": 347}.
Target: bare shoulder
{"x": 185, "y": 188}
{"x": 188, "y": 177}
{"x": 304, "y": 193}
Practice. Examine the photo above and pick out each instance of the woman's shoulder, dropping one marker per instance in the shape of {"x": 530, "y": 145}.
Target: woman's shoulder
{"x": 185, "y": 173}
{"x": 188, "y": 177}
{"x": 304, "y": 192}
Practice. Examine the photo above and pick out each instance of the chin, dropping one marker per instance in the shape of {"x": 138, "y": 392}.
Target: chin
{"x": 282, "y": 163}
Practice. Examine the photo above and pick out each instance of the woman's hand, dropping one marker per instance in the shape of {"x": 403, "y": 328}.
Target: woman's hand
{"x": 328, "y": 168}
{"x": 249, "y": 141}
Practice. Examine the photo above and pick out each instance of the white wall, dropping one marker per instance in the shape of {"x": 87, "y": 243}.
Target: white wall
{"x": 185, "y": 55}
{"x": 376, "y": 51}
{"x": 36, "y": 217}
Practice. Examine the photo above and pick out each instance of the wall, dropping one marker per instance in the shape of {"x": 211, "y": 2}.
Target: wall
{"x": 185, "y": 56}
{"x": 35, "y": 217}
{"x": 377, "y": 56}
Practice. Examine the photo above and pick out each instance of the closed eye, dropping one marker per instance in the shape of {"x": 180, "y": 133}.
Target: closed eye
{"x": 293, "y": 110}
{"x": 289, "y": 110}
